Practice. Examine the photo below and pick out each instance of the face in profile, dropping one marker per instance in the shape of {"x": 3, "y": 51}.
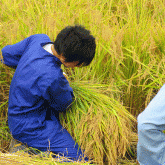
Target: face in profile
{"x": 62, "y": 59}
{"x": 71, "y": 64}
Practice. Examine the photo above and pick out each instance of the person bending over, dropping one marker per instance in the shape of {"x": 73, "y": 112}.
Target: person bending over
{"x": 39, "y": 90}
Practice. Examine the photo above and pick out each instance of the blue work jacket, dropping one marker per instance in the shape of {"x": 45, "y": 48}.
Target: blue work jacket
{"x": 38, "y": 90}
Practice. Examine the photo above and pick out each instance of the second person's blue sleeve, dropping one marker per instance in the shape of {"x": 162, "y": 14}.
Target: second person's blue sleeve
{"x": 151, "y": 139}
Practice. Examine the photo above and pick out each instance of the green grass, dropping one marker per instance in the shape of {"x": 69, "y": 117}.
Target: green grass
{"x": 126, "y": 73}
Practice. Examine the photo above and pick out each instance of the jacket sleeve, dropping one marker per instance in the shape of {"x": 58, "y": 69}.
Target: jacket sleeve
{"x": 58, "y": 94}
{"x": 12, "y": 53}
{"x": 151, "y": 139}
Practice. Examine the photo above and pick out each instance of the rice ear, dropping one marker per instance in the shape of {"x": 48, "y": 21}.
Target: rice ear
{"x": 99, "y": 123}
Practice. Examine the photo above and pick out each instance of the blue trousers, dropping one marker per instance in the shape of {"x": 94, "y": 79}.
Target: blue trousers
{"x": 47, "y": 135}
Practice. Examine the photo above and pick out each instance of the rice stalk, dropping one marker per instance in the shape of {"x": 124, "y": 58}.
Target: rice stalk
{"x": 103, "y": 130}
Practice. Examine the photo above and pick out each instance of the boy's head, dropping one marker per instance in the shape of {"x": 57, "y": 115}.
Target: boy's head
{"x": 76, "y": 45}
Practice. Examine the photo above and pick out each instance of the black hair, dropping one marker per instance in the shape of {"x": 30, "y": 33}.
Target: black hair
{"x": 76, "y": 44}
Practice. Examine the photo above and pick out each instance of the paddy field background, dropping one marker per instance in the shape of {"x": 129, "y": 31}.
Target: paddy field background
{"x": 126, "y": 73}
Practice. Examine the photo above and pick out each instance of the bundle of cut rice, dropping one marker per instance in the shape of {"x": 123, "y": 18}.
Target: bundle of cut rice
{"x": 100, "y": 124}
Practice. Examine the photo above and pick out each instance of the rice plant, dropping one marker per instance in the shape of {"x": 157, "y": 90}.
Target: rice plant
{"x": 100, "y": 124}
{"x": 126, "y": 73}
{"x": 5, "y": 79}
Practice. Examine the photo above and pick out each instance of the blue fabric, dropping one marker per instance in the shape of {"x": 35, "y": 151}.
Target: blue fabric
{"x": 38, "y": 92}
{"x": 151, "y": 139}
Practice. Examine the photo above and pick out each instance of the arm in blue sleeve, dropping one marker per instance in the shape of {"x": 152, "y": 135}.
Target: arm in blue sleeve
{"x": 151, "y": 139}
{"x": 12, "y": 53}
{"x": 59, "y": 94}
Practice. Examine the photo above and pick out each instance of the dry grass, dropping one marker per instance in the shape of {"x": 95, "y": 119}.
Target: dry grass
{"x": 23, "y": 158}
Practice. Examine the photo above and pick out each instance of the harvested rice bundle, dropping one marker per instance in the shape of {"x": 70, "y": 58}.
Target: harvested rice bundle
{"x": 99, "y": 123}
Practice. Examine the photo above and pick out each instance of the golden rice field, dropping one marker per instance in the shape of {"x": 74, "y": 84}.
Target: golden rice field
{"x": 126, "y": 73}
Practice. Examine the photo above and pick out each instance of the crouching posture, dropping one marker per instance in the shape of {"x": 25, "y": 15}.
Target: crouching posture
{"x": 151, "y": 139}
{"x": 39, "y": 90}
